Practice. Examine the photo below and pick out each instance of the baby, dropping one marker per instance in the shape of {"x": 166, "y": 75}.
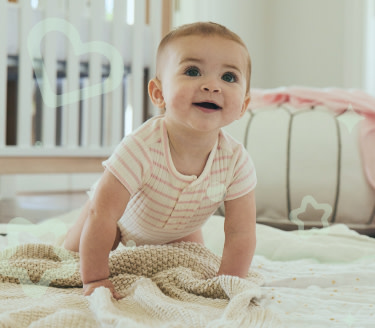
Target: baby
{"x": 170, "y": 175}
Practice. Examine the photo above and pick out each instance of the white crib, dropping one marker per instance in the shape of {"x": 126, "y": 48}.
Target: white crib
{"x": 65, "y": 104}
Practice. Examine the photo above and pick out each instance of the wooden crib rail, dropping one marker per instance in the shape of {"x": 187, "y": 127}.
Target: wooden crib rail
{"x": 50, "y": 164}
{"x": 55, "y": 160}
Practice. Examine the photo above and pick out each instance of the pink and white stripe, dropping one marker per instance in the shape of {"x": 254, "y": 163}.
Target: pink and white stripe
{"x": 166, "y": 205}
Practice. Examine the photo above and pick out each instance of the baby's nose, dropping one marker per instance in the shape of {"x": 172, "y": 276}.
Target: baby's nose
{"x": 211, "y": 86}
{"x": 211, "y": 89}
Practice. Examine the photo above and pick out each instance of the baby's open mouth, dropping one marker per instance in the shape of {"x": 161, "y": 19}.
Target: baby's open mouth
{"x": 208, "y": 105}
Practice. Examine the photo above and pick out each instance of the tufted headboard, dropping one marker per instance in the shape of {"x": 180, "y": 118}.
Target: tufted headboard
{"x": 309, "y": 167}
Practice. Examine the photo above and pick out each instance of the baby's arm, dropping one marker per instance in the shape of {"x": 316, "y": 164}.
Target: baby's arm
{"x": 99, "y": 232}
{"x": 240, "y": 236}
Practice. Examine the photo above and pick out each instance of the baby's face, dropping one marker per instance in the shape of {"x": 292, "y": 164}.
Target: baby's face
{"x": 203, "y": 81}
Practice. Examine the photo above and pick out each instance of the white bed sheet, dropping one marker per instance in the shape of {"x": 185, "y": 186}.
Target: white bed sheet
{"x": 318, "y": 278}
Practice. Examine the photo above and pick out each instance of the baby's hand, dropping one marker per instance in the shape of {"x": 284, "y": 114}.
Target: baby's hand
{"x": 89, "y": 288}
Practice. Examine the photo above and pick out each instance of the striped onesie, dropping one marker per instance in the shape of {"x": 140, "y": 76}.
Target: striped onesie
{"x": 164, "y": 204}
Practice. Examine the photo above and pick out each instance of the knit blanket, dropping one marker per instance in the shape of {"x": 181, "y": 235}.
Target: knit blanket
{"x": 164, "y": 286}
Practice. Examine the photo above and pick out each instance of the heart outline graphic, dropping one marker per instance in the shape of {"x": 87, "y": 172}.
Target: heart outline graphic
{"x": 50, "y": 97}
{"x": 53, "y": 227}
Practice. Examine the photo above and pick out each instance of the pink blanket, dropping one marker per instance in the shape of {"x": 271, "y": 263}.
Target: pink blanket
{"x": 339, "y": 100}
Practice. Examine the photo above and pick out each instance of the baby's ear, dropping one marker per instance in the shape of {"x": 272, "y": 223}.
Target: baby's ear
{"x": 155, "y": 92}
{"x": 245, "y": 105}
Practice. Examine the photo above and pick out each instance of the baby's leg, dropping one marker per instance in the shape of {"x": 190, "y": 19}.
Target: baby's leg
{"x": 73, "y": 236}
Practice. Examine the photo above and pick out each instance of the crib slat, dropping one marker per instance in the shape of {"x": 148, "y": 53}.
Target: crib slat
{"x": 138, "y": 62}
{"x": 156, "y": 19}
{"x": 25, "y": 79}
{"x": 116, "y": 108}
{"x": 3, "y": 70}
{"x": 85, "y": 117}
{"x": 155, "y": 24}
{"x": 64, "y": 119}
{"x": 73, "y": 74}
{"x": 128, "y": 92}
{"x": 49, "y": 76}
{"x": 106, "y": 117}
{"x": 95, "y": 72}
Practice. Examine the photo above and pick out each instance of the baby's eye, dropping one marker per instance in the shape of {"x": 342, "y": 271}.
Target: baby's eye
{"x": 229, "y": 77}
{"x": 192, "y": 71}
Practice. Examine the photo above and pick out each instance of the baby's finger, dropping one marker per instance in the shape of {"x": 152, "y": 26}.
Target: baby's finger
{"x": 116, "y": 295}
{"x": 88, "y": 291}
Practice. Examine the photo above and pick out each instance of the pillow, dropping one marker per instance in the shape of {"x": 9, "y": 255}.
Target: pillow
{"x": 308, "y": 166}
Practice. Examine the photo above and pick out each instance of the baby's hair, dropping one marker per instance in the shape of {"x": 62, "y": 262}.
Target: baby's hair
{"x": 204, "y": 29}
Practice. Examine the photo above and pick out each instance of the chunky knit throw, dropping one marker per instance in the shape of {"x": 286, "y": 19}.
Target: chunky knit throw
{"x": 164, "y": 286}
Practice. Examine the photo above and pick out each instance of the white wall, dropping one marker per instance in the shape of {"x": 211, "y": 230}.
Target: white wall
{"x": 292, "y": 42}
{"x": 369, "y": 66}
{"x": 304, "y": 42}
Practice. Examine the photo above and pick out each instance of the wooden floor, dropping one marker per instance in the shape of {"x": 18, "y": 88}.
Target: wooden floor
{"x": 37, "y": 207}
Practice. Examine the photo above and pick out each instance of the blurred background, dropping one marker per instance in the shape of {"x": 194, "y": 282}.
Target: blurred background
{"x": 310, "y": 43}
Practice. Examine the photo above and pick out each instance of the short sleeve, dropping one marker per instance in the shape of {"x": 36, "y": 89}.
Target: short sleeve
{"x": 130, "y": 163}
{"x": 244, "y": 176}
